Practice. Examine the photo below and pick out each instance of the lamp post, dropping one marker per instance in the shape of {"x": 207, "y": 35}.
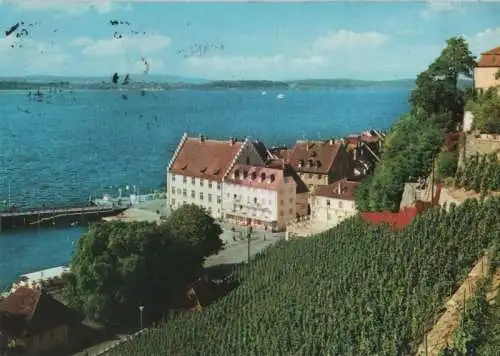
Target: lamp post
{"x": 249, "y": 237}
{"x": 141, "y": 308}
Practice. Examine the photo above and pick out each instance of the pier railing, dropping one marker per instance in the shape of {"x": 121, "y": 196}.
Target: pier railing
{"x": 59, "y": 211}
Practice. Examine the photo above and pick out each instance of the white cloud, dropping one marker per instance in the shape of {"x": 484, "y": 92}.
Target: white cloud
{"x": 254, "y": 67}
{"x": 140, "y": 45}
{"x": 484, "y": 40}
{"x": 345, "y": 39}
{"x": 34, "y": 57}
{"x": 436, "y": 7}
{"x": 71, "y": 7}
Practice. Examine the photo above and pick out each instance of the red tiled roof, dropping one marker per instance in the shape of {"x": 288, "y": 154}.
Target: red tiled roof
{"x": 27, "y": 311}
{"x": 495, "y": 50}
{"x": 397, "y": 220}
{"x": 342, "y": 189}
{"x": 490, "y": 58}
{"x": 203, "y": 158}
{"x": 314, "y": 156}
{"x": 257, "y": 177}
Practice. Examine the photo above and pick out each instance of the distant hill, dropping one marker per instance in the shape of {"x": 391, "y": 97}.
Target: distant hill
{"x": 147, "y": 78}
{"x": 169, "y": 82}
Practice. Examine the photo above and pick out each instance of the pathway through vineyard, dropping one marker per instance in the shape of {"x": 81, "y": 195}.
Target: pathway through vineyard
{"x": 442, "y": 332}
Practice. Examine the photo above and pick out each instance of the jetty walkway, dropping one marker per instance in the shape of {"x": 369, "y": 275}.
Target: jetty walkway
{"x": 57, "y": 215}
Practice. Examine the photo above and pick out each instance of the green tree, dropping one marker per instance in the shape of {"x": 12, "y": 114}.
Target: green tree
{"x": 446, "y": 165}
{"x": 192, "y": 223}
{"x": 437, "y": 89}
{"x": 486, "y": 110}
{"x": 118, "y": 266}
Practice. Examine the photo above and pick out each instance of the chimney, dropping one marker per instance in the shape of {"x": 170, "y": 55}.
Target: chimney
{"x": 202, "y": 138}
{"x": 339, "y": 188}
{"x": 355, "y": 153}
{"x": 307, "y": 146}
{"x": 330, "y": 141}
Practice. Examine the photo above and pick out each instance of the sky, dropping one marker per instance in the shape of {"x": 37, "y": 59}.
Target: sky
{"x": 245, "y": 40}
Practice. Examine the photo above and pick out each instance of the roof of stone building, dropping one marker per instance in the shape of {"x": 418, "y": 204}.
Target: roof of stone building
{"x": 204, "y": 158}
{"x": 341, "y": 189}
{"x": 314, "y": 156}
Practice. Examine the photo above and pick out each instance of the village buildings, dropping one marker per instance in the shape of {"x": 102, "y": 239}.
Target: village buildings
{"x": 245, "y": 183}
{"x": 331, "y": 204}
{"x": 485, "y": 73}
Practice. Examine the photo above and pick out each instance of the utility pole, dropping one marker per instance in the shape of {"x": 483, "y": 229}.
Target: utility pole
{"x": 141, "y": 308}
{"x": 249, "y": 237}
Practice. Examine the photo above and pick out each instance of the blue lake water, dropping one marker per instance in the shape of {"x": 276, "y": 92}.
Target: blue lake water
{"x": 75, "y": 144}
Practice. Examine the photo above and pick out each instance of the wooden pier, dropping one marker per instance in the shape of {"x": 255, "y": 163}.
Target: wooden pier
{"x": 55, "y": 216}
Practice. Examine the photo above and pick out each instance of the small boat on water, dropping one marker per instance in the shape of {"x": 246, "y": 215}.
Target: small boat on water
{"x": 281, "y": 96}
{"x": 264, "y": 92}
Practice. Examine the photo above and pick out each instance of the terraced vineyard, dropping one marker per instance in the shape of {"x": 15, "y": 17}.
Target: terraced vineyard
{"x": 354, "y": 290}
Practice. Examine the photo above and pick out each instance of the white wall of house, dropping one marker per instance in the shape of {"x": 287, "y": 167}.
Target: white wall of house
{"x": 267, "y": 205}
{"x": 240, "y": 200}
{"x": 331, "y": 211}
{"x": 190, "y": 190}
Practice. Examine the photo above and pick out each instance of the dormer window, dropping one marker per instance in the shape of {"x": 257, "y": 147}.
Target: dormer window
{"x": 301, "y": 163}
{"x": 313, "y": 154}
{"x": 318, "y": 164}
{"x": 310, "y": 163}
{"x": 254, "y": 175}
{"x": 272, "y": 177}
{"x": 262, "y": 177}
{"x": 236, "y": 174}
{"x": 245, "y": 174}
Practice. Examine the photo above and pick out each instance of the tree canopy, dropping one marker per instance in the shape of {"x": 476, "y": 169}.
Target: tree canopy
{"x": 118, "y": 266}
{"x": 486, "y": 110}
{"x": 437, "y": 104}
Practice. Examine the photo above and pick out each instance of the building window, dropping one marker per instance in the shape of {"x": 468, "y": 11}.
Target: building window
{"x": 184, "y": 192}
{"x": 179, "y": 191}
{"x": 193, "y": 181}
{"x": 248, "y": 161}
{"x": 340, "y": 204}
{"x": 310, "y": 176}
{"x": 193, "y": 194}
{"x": 173, "y": 190}
{"x": 282, "y": 202}
{"x": 255, "y": 200}
{"x": 319, "y": 176}
{"x": 184, "y": 179}
{"x": 263, "y": 201}
{"x": 241, "y": 207}
{"x": 209, "y": 198}
{"x": 173, "y": 177}
{"x": 310, "y": 186}
{"x": 210, "y": 210}
{"x": 328, "y": 216}
{"x": 201, "y": 195}
{"x": 173, "y": 202}
{"x": 290, "y": 211}
{"x": 291, "y": 200}
{"x": 218, "y": 185}
{"x": 328, "y": 203}
{"x": 210, "y": 185}
{"x": 282, "y": 213}
{"x": 234, "y": 196}
{"x": 219, "y": 199}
